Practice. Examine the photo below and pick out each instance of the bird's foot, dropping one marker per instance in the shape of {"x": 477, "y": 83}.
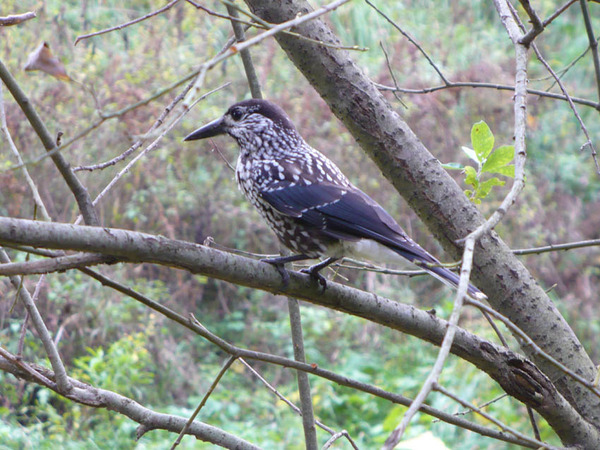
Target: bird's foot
{"x": 313, "y": 272}
{"x": 279, "y": 264}
{"x": 285, "y": 275}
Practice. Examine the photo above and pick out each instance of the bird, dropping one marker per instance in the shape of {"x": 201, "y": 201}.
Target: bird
{"x": 308, "y": 202}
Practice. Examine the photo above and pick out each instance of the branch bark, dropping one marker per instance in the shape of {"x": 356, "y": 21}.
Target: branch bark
{"x": 149, "y": 420}
{"x": 434, "y": 196}
{"x": 517, "y": 376}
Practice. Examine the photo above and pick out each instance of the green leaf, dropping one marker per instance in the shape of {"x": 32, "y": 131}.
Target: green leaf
{"x": 507, "y": 171}
{"x": 501, "y": 157}
{"x": 470, "y": 153}
{"x": 471, "y": 177}
{"x": 486, "y": 187}
{"x": 453, "y": 166}
{"x": 482, "y": 140}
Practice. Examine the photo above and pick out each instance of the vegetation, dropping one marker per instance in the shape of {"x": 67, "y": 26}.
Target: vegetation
{"x": 188, "y": 192}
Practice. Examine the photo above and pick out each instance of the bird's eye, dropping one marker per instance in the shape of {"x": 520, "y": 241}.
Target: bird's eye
{"x": 237, "y": 114}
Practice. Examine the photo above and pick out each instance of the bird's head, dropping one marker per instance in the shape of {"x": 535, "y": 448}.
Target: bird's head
{"x": 248, "y": 120}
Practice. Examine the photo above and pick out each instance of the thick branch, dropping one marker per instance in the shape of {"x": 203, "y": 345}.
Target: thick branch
{"x": 517, "y": 376}
{"x": 432, "y": 193}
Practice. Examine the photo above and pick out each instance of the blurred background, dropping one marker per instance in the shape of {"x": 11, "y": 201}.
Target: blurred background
{"x": 187, "y": 191}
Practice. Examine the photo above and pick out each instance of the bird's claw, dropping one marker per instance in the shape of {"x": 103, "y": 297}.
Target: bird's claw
{"x": 285, "y": 275}
{"x": 314, "y": 273}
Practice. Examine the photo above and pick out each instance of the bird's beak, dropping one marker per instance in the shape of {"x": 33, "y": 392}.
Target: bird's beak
{"x": 211, "y": 129}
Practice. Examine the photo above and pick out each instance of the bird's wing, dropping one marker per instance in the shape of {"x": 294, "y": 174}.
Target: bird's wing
{"x": 343, "y": 212}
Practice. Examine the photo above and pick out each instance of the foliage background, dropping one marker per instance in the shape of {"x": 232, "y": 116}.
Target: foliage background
{"x": 185, "y": 191}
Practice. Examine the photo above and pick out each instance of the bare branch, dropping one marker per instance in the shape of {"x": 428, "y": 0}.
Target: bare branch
{"x": 499, "y": 87}
{"x": 295, "y": 408}
{"x": 489, "y": 417}
{"x": 592, "y": 40}
{"x": 126, "y": 24}
{"x": 16, "y": 19}
{"x": 101, "y": 398}
{"x": 528, "y": 342}
{"x": 79, "y": 191}
{"x": 308, "y": 417}
{"x": 411, "y": 40}
{"x": 62, "y": 383}
{"x": 558, "y": 12}
{"x": 501, "y": 364}
{"x": 436, "y": 370}
{"x": 214, "y": 384}
{"x": 34, "y": 190}
{"x": 536, "y": 22}
{"x": 557, "y": 247}
{"x": 240, "y": 36}
{"x": 55, "y": 264}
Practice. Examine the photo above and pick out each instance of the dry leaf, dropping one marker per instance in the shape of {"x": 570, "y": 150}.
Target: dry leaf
{"x": 43, "y": 59}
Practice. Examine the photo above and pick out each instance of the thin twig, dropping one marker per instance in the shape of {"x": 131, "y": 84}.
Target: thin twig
{"x": 589, "y": 142}
{"x": 126, "y": 24}
{"x": 198, "y": 328}
{"x": 156, "y": 141}
{"x": 444, "y": 350}
{"x": 260, "y": 23}
{"x": 539, "y": 56}
{"x": 32, "y": 187}
{"x": 558, "y": 12}
{"x": 213, "y": 386}
{"x": 520, "y": 120}
{"x": 536, "y": 348}
{"x": 62, "y": 381}
{"x": 557, "y": 247}
{"x": 392, "y": 74}
{"x": 499, "y": 87}
{"x": 335, "y": 437}
{"x": 56, "y": 264}
{"x": 39, "y": 378}
{"x": 537, "y": 24}
{"x": 411, "y": 40}
{"x": 592, "y": 40}
{"x": 240, "y": 36}
{"x": 79, "y": 191}
{"x": 297, "y": 410}
{"x": 503, "y": 427}
{"x": 308, "y": 417}
{"x": 115, "y": 115}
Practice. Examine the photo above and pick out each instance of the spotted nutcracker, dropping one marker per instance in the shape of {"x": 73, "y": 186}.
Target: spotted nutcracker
{"x": 308, "y": 202}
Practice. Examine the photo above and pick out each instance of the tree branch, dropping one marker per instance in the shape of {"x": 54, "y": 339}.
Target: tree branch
{"x": 16, "y": 19}
{"x": 79, "y": 191}
{"x": 433, "y": 195}
{"x": 504, "y": 366}
{"x": 149, "y": 420}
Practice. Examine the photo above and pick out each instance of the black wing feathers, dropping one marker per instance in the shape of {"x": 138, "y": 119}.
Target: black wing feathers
{"x": 343, "y": 212}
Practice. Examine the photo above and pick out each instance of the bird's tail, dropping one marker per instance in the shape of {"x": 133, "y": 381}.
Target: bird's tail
{"x": 451, "y": 279}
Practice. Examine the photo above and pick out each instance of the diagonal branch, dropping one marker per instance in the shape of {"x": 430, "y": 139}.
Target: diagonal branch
{"x": 127, "y": 24}
{"x": 79, "y": 191}
{"x": 504, "y": 366}
{"x": 101, "y": 398}
{"x": 62, "y": 383}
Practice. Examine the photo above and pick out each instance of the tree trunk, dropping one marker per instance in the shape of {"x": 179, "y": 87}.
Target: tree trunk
{"x": 432, "y": 193}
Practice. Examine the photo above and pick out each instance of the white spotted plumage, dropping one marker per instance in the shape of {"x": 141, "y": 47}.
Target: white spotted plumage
{"x": 305, "y": 198}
